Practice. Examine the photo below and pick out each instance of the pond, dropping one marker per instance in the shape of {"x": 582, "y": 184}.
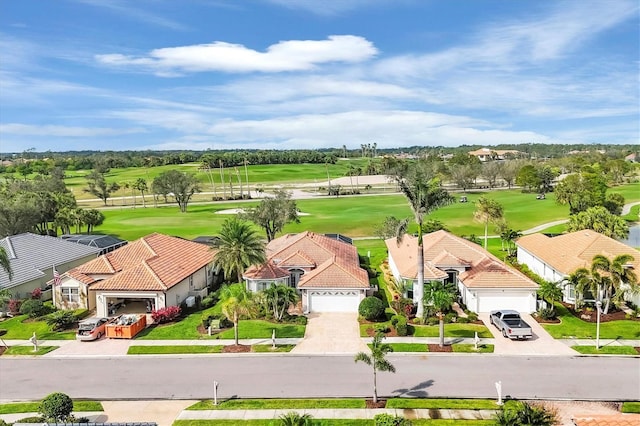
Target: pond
{"x": 633, "y": 239}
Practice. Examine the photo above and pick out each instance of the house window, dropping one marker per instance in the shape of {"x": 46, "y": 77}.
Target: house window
{"x": 191, "y": 282}
{"x": 69, "y": 294}
{"x": 295, "y": 276}
{"x": 571, "y": 293}
{"x": 452, "y": 277}
{"x": 263, "y": 285}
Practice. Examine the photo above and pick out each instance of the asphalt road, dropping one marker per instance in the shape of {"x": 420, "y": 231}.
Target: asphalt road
{"x": 272, "y": 376}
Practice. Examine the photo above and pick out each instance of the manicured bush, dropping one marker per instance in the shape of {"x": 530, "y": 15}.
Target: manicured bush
{"x": 300, "y": 319}
{"x": 165, "y": 315}
{"x": 547, "y": 313}
{"x": 404, "y": 306}
{"x": 56, "y": 407}
{"x": 462, "y": 320}
{"x": 81, "y": 313}
{"x": 382, "y": 328}
{"x": 394, "y": 320}
{"x": 61, "y": 320}
{"x": 14, "y": 306}
{"x": 402, "y": 329}
{"x": 390, "y": 420}
{"x": 432, "y": 321}
{"x": 371, "y": 308}
{"x": 450, "y": 317}
{"x": 34, "y": 308}
{"x": 33, "y": 419}
{"x": 209, "y": 301}
{"x": 473, "y": 317}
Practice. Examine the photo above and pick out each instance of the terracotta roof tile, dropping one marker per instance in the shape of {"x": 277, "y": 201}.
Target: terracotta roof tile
{"x": 568, "y": 252}
{"x": 335, "y": 275}
{"x": 265, "y": 271}
{"x": 298, "y": 259}
{"x": 154, "y": 262}
{"x": 608, "y": 420}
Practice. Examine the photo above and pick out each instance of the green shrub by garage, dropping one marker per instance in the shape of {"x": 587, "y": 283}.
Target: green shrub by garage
{"x": 371, "y": 308}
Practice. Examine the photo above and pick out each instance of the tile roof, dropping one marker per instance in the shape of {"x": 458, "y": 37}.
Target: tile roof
{"x": 267, "y": 271}
{"x": 332, "y": 274}
{"x": 155, "y": 262}
{"x": 333, "y": 263}
{"x": 568, "y": 252}
{"x": 443, "y": 249}
{"x": 31, "y": 254}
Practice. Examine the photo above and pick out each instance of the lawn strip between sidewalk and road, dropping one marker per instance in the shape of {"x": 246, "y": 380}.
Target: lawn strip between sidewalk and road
{"x": 275, "y": 404}
{"x": 28, "y": 350}
{"x": 33, "y": 407}
{"x": 631, "y": 407}
{"x": 606, "y": 350}
{"x": 443, "y": 403}
{"x": 199, "y": 349}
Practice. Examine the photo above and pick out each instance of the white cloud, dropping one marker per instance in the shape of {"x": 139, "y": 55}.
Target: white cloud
{"x": 65, "y": 131}
{"x": 291, "y": 55}
{"x": 126, "y": 10}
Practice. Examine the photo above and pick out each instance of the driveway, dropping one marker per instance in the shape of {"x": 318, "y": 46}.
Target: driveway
{"x": 540, "y": 344}
{"x": 100, "y": 347}
{"x": 331, "y": 333}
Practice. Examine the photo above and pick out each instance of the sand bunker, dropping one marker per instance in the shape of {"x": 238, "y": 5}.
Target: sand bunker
{"x": 236, "y": 211}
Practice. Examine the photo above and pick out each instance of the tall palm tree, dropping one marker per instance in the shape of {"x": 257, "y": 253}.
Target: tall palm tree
{"x": 240, "y": 247}
{"x": 581, "y": 281}
{"x": 141, "y": 185}
{"x": 488, "y": 211}
{"x": 377, "y": 360}
{"x": 550, "y": 292}
{"x": 236, "y": 302}
{"x": 425, "y": 195}
{"x": 441, "y": 300}
{"x": 5, "y": 263}
{"x": 278, "y": 298}
{"x": 611, "y": 275}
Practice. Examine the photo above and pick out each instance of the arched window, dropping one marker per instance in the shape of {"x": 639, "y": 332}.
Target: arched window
{"x": 295, "y": 276}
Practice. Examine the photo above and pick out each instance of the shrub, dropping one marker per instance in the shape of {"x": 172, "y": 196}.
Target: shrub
{"x": 293, "y": 418}
{"x": 165, "y": 315}
{"x": 382, "y": 328}
{"x": 34, "y": 308}
{"x": 209, "y": 301}
{"x": 33, "y": 419}
{"x": 390, "y": 420}
{"x": 473, "y": 317}
{"x": 547, "y": 313}
{"x": 81, "y": 313}
{"x": 36, "y": 293}
{"x": 61, "y": 320}
{"x": 462, "y": 320}
{"x": 402, "y": 329}
{"x": 432, "y": 321}
{"x": 404, "y": 306}
{"x": 450, "y": 317}
{"x": 371, "y": 308}
{"x": 14, "y": 306}
{"x": 300, "y": 319}
{"x": 56, "y": 407}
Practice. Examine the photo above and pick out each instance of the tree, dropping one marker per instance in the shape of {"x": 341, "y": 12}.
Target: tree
{"x": 614, "y": 203}
{"x": 388, "y": 228}
{"x": 463, "y": 175}
{"x": 581, "y": 191}
{"x": 99, "y": 187}
{"x": 425, "y": 195}
{"x": 610, "y": 275}
{"x": 490, "y": 171}
{"x": 56, "y": 407}
{"x": 580, "y": 280}
{"x": 239, "y": 248}
{"x": 141, "y": 185}
{"x": 91, "y": 218}
{"x": 488, "y": 210}
{"x": 508, "y": 237}
{"x": 279, "y": 298}
{"x": 509, "y": 171}
{"x": 273, "y": 213}
{"x": 551, "y": 292}
{"x": 5, "y": 263}
{"x": 377, "y": 360}
{"x": 600, "y": 220}
{"x": 528, "y": 178}
{"x": 546, "y": 175}
{"x": 181, "y": 186}
{"x": 236, "y": 302}
{"x": 440, "y": 299}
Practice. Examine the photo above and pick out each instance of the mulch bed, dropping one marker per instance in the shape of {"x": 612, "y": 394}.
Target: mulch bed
{"x": 371, "y": 330}
{"x": 610, "y": 316}
{"x": 546, "y": 321}
{"x": 434, "y": 347}
{"x": 382, "y": 403}
{"x": 235, "y": 349}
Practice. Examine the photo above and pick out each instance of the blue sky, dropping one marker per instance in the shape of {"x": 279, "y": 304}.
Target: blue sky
{"x": 282, "y": 74}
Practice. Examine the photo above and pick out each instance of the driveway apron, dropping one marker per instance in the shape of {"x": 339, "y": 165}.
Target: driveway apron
{"x": 100, "y": 347}
{"x": 331, "y": 333}
{"x": 540, "y": 344}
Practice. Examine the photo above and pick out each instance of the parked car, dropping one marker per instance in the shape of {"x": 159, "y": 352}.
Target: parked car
{"x": 92, "y": 329}
{"x": 510, "y": 324}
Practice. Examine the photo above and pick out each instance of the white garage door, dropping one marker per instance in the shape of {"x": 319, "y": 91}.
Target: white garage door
{"x": 334, "y": 301}
{"x": 519, "y": 302}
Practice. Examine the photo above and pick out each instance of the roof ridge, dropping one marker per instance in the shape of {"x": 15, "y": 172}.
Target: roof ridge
{"x": 147, "y": 245}
{"x": 153, "y": 273}
{"x": 11, "y": 252}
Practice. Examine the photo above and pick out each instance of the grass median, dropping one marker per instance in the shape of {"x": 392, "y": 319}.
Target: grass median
{"x": 606, "y": 350}
{"x": 33, "y": 407}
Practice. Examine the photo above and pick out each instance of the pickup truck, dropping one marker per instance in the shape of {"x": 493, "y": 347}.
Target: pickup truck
{"x": 510, "y": 324}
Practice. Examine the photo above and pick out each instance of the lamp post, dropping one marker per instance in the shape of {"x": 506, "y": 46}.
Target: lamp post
{"x": 598, "y": 305}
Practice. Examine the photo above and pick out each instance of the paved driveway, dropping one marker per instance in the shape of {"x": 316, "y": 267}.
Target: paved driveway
{"x": 331, "y": 333}
{"x": 540, "y": 344}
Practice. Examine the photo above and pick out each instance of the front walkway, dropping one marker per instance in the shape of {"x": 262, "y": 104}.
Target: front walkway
{"x": 331, "y": 333}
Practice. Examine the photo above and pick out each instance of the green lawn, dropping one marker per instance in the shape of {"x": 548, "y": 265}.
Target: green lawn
{"x": 182, "y": 349}
{"x": 452, "y": 330}
{"x": 186, "y": 328}
{"x": 572, "y": 326}
{"x": 470, "y": 348}
{"x": 32, "y": 407}
{"x": 28, "y": 350}
{"x": 282, "y": 404}
{"x": 261, "y": 329}
{"x": 269, "y": 348}
{"x": 606, "y": 350}
{"x": 21, "y": 328}
{"x": 436, "y": 403}
{"x": 631, "y": 407}
{"x": 407, "y": 347}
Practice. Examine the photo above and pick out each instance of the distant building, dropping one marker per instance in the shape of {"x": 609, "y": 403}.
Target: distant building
{"x": 106, "y": 243}
{"x": 632, "y": 158}
{"x": 487, "y": 154}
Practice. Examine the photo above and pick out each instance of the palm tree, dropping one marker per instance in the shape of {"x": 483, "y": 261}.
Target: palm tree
{"x": 240, "y": 247}
{"x": 581, "y": 281}
{"x": 550, "y": 292}
{"x": 488, "y": 211}
{"x": 5, "y": 262}
{"x": 425, "y": 195}
{"x": 293, "y": 418}
{"x": 141, "y": 185}
{"x": 611, "y": 275}
{"x": 279, "y": 298}
{"x": 441, "y": 300}
{"x": 523, "y": 413}
{"x": 377, "y": 360}
{"x": 236, "y": 302}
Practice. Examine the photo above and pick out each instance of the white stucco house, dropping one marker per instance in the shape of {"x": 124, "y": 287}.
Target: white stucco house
{"x": 155, "y": 271}
{"x": 324, "y": 270}
{"x": 555, "y": 258}
{"x": 483, "y": 281}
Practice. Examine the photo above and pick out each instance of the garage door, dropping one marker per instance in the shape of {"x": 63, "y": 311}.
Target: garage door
{"x": 487, "y": 303}
{"x": 334, "y": 301}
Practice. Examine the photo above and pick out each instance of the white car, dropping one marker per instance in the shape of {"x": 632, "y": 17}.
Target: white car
{"x": 92, "y": 329}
